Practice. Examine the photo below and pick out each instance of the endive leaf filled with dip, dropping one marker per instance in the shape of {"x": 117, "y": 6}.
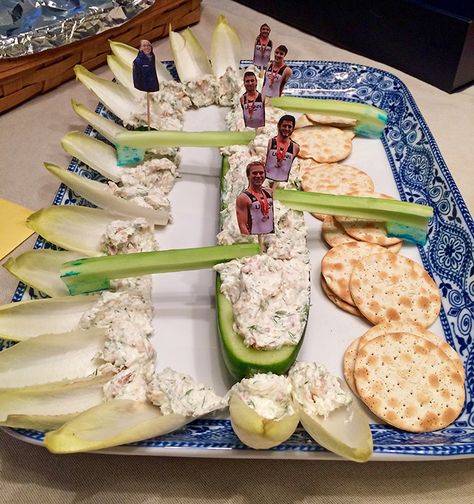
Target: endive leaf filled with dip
{"x": 117, "y": 98}
{"x": 172, "y": 400}
{"x": 94, "y": 153}
{"x": 262, "y": 412}
{"x": 225, "y": 47}
{"x": 40, "y": 269}
{"x": 28, "y": 319}
{"x": 190, "y": 59}
{"x": 126, "y": 54}
{"x": 123, "y": 74}
{"x": 329, "y": 412}
{"x": 98, "y": 193}
{"x": 76, "y": 228}
{"x": 46, "y": 407}
{"x": 51, "y": 358}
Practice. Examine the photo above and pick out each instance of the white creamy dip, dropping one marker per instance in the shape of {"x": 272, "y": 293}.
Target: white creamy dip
{"x": 316, "y": 390}
{"x": 270, "y": 299}
{"x": 153, "y": 173}
{"x": 268, "y": 394}
{"x": 125, "y": 237}
{"x": 178, "y": 393}
{"x": 131, "y": 383}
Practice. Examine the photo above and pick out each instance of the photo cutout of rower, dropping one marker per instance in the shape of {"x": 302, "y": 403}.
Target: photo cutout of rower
{"x": 144, "y": 70}
{"x": 254, "y": 206}
{"x": 281, "y": 151}
{"x": 263, "y": 47}
{"x": 277, "y": 73}
{"x": 252, "y": 102}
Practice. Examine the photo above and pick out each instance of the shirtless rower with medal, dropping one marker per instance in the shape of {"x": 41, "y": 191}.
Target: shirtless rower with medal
{"x": 252, "y": 102}
{"x": 254, "y": 206}
{"x": 281, "y": 151}
{"x": 277, "y": 74}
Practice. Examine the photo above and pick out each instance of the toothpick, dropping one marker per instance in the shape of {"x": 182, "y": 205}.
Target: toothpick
{"x": 260, "y": 243}
{"x": 148, "y": 114}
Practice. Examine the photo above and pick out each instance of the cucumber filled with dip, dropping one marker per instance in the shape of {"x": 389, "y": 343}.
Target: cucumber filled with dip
{"x": 238, "y": 315}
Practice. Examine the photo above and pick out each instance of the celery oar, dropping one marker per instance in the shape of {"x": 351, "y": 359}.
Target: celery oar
{"x": 404, "y": 220}
{"x": 150, "y": 139}
{"x": 93, "y": 274}
{"x": 371, "y": 120}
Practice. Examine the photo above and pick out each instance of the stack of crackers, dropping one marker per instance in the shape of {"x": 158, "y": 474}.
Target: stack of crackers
{"x": 405, "y": 374}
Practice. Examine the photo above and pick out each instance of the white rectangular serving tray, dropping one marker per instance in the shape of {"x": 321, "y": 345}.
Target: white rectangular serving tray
{"x": 406, "y": 163}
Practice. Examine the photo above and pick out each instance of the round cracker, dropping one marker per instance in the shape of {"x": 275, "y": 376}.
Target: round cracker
{"x": 324, "y": 144}
{"x": 338, "y": 263}
{"x": 334, "y": 178}
{"x": 303, "y": 122}
{"x": 333, "y": 233}
{"x": 413, "y": 328}
{"x": 337, "y": 300}
{"x": 408, "y": 382}
{"x": 389, "y": 287}
{"x": 348, "y": 364}
{"x": 372, "y": 232}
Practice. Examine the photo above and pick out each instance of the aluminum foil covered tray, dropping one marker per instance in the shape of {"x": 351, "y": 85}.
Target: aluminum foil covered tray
{"x": 32, "y": 26}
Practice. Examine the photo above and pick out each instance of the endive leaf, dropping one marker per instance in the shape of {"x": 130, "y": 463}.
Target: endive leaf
{"x": 256, "y": 431}
{"x": 94, "y": 153}
{"x": 113, "y": 423}
{"x": 225, "y": 47}
{"x": 115, "y": 97}
{"x": 76, "y": 228}
{"x": 190, "y": 58}
{"x": 51, "y": 358}
{"x": 97, "y": 193}
{"x": 40, "y": 269}
{"x": 126, "y": 54}
{"x": 124, "y": 75}
{"x": 46, "y": 407}
{"x": 28, "y": 319}
{"x": 107, "y": 128}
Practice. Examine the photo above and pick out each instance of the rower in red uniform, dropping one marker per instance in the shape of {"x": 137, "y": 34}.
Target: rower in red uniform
{"x": 277, "y": 74}
{"x": 281, "y": 151}
{"x": 252, "y": 102}
{"x": 263, "y": 47}
{"x": 254, "y": 206}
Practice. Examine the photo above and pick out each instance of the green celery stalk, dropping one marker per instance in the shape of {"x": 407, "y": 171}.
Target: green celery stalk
{"x": 371, "y": 121}
{"x": 92, "y": 274}
{"x": 150, "y": 139}
{"x": 405, "y": 220}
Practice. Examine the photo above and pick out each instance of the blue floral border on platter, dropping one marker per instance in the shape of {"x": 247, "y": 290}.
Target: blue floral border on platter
{"x": 421, "y": 176}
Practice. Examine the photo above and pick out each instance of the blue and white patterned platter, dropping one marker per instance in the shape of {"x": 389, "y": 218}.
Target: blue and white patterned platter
{"x": 420, "y": 175}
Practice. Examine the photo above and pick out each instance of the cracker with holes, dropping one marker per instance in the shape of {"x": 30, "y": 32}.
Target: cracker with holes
{"x": 413, "y": 328}
{"x": 333, "y": 234}
{"x": 337, "y": 300}
{"x": 348, "y": 364}
{"x": 389, "y": 287}
{"x": 409, "y": 382}
{"x": 372, "y": 232}
{"x": 334, "y": 179}
{"x": 338, "y": 263}
{"x": 324, "y": 144}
